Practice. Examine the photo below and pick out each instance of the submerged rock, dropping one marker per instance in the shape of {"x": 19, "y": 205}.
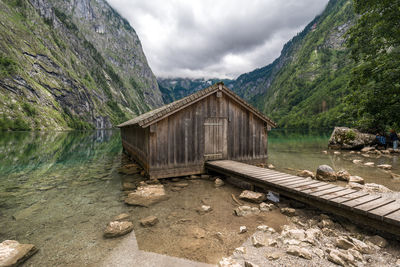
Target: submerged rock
{"x": 116, "y": 228}
{"x": 246, "y": 211}
{"x": 346, "y": 138}
{"x": 326, "y": 173}
{"x": 306, "y": 173}
{"x": 267, "y": 206}
{"x": 146, "y": 195}
{"x": 122, "y": 217}
{"x": 288, "y": 212}
{"x": 378, "y": 241}
{"x": 356, "y": 179}
{"x": 385, "y": 166}
{"x": 343, "y": 175}
{"x": 13, "y": 253}
{"x": 149, "y": 221}
{"x": 256, "y": 242}
{"x": 218, "y": 182}
{"x": 299, "y": 252}
{"x": 242, "y": 229}
{"x": 251, "y": 196}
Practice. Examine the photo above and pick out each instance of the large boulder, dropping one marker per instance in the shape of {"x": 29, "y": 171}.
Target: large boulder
{"x": 146, "y": 195}
{"x": 347, "y": 138}
{"x": 251, "y": 196}
{"x": 326, "y": 173}
{"x": 12, "y": 253}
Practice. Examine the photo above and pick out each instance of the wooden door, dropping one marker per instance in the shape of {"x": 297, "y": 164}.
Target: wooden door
{"x": 215, "y": 138}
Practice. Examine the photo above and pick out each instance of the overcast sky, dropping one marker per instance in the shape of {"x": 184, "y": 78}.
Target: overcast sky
{"x": 215, "y": 38}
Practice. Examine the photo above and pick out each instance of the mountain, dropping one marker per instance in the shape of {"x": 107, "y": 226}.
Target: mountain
{"x": 176, "y": 88}
{"x": 70, "y": 64}
{"x": 306, "y": 85}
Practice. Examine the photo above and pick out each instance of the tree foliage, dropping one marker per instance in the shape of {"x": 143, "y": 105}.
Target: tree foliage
{"x": 375, "y": 80}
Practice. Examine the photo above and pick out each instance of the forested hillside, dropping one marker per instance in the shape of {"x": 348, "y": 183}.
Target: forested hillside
{"x": 307, "y": 85}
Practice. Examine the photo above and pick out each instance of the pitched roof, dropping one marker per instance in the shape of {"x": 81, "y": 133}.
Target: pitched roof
{"x": 155, "y": 115}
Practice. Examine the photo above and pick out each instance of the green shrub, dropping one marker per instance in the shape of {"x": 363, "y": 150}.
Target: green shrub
{"x": 7, "y": 66}
{"x": 29, "y": 109}
{"x": 350, "y": 135}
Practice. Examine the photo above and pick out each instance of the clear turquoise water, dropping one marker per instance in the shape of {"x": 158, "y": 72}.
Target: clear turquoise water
{"x": 59, "y": 189}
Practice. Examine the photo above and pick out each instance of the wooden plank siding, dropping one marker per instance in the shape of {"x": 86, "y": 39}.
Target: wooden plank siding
{"x": 216, "y": 125}
{"x": 175, "y": 145}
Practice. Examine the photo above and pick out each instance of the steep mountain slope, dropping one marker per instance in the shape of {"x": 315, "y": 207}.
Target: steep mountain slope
{"x": 306, "y": 85}
{"x": 70, "y": 64}
{"x": 176, "y": 88}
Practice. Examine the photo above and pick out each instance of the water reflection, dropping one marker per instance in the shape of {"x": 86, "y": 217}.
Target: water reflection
{"x": 302, "y": 149}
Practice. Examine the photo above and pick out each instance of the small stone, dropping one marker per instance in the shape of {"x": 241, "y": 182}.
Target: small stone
{"x": 343, "y": 175}
{"x": 242, "y": 229}
{"x": 219, "y": 182}
{"x": 298, "y": 234}
{"x": 398, "y": 262}
{"x": 356, "y": 179}
{"x": 319, "y": 252}
{"x": 299, "y": 252}
{"x": 306, "y": 173}
{"x": 228, "y": 262}
{"x": 149, "y": 221}
{"x": 326, "y": 173}
{"x": 240, "y": 250}
{"x": 367, "y": 149}
{"x": 266, "y": 206}
{"x": 357, "y": 161}
{"x": 116, "y": 228}
{"x": 343, "y": 243}
{"x": 335, "y": 256}
{"x": 371, "y": 187}
{"x": 13, "y": 253}
{"x": 378, "y": 241}
{"x": 361, "y": 246}
{"x": 385, "y": 166}
{"x": 256, "y": 243}
{"x": 205, "y": 208}
{"x": 251, "y": 196}
{"x": 288, "y": 212}
{"x": 337, "y": 153}
{"x": 325, "y": 152}
{"x": 355, "y": 186}
{"x": 250, "y": 264}
{"x": 326, "y": 223}
{"x": 204, "y": 176}
{"x": 370, "y": 163}
{"x": 352, "y": 152}
{"x": 181, "y": 184}
{"x": 272, "y": 243}
{"x": 272, "y": 256}
{"x": 385, "y": 151}
{"x": 122, "y": 217}
{"x": 365, "y": 155}
{"x": 356, "y": 254}
{"x": 246, "y": 211}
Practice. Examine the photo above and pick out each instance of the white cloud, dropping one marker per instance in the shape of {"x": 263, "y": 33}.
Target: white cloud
{"x": 215, "y": 38}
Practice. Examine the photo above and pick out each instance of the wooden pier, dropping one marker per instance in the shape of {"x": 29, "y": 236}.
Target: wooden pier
{"x": 367, "y": 209}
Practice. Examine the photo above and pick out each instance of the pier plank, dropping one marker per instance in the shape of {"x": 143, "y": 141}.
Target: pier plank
{"x": 375, "y": 204}
{"x": 328, "y": 191}
{"x": 351, "y": 196}
{"x": 362, "y": 200}
{"x": 385, "y": 210}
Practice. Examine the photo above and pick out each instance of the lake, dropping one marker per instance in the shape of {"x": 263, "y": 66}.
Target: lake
{"x": 59, "y": 189}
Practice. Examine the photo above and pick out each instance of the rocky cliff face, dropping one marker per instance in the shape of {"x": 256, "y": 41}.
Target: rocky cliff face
{"x": 70, "y": 64}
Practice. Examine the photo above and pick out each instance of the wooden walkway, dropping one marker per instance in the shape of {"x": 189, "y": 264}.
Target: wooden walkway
{"x": 371, "y": 210}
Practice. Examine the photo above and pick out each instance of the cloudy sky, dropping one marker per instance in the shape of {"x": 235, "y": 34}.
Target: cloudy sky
{"x": 215, "y": 38}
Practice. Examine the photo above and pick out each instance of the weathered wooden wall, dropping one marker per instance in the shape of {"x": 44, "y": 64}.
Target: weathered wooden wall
{"x": 177, "y": 142}
{"x": 135, "y": 140}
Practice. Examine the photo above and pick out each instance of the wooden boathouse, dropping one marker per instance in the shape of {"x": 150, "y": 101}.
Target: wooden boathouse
{"x": 211, "y": 124}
